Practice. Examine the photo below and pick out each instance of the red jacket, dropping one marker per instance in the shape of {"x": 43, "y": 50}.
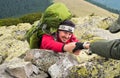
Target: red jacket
{"x": 49, "y": 42}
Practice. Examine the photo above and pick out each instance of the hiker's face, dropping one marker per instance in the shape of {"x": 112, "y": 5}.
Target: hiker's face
{"x": 64, "y": 35}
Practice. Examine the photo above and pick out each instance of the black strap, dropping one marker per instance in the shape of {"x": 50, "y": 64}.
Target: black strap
{"x": 40, "y": 40}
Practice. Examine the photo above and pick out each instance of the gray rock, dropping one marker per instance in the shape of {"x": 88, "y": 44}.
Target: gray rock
{"x": 1, "y": 59}
{"x": 60, "y": 68}
{"x": 19, "y": 69}
{"x": 3, "y": 73}
{"x": 41, "y": 74}
{"x": 115, "y": 27}
{"x": 43, "y": 59}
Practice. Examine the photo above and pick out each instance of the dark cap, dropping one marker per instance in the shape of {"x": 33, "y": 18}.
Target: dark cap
{"x": 67, "y": 25}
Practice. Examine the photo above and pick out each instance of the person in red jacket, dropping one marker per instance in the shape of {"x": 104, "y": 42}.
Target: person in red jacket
{"x": 63, "y": 40}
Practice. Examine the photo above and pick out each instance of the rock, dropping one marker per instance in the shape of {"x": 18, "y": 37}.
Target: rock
{"x": 95, "y": 26}
{"x": 42, "y": 58}
{"x": 3, "y": 73}
{"x": 98, "y": 68}
{"x": 1, "y": 59}
{"x": 115, "y": 27}
{"x": 19, "y": 69}
{"x": 60, "y": 68}
{"x": 41, "y": 74}
{"x": 35, "y": 69}
{"x": 11, "y": 46}
{"x": 118, "y": 20}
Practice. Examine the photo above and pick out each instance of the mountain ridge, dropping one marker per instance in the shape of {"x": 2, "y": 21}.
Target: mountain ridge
{"x": 83, "y": 8}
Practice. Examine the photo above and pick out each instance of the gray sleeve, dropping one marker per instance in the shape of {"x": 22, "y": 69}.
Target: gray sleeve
{"x": 106, "y": 48}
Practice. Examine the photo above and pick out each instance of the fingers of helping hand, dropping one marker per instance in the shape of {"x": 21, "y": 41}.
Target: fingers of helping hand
{"x": 86, "y": 45}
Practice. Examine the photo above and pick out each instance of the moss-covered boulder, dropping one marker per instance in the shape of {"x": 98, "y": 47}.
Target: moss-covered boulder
{"x": 96, "y": 68}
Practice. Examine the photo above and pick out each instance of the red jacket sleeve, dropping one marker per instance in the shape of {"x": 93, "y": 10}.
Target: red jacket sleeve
{"x": 49, "y": 43}
{"x": 74, "y": 39}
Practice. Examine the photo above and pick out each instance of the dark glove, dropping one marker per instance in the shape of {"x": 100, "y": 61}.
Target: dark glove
{"x": 79, "y": 46}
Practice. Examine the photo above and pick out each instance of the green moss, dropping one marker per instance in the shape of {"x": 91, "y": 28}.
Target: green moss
{"x": 77, "y": 71}
{"x": 4, "y": 54}
{"x": 103, "y": 25}
{"x": 9, "y": 21}
{"x": 112, "y": 68}
{"x": 94, "y": 39}
{"x": 87, "y": 37}
{"x": 94, "y": 71}
{"x": 29, "y": 18}
{"x": 14, "y": 55}
{"x": 83, "y": 71}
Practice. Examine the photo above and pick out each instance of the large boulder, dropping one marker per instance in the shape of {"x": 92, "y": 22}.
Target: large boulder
{"x": 96, "y": 68}
{"x": 115, "y": 27}
{"x": 43, "y": 59}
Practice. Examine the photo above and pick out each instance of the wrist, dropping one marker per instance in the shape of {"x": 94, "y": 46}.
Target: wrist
{"x": 63, "y": 49}
{"x": 86, "y": 45}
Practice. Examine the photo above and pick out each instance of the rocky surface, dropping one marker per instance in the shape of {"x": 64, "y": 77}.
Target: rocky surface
{"x": 96, "y": 68}
{"x": 17, "y": 60}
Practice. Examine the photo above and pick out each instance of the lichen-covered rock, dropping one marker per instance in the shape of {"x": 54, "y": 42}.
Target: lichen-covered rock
{"x": 60, "y": 68}
{"x": 12, "y": 43}
{"x": 18, "y": 68}
{"x": 95, "y": 26}
{"x": 42, "y": 58}
{"x": 115, "y": 27}
{"x": 96, "y": 68}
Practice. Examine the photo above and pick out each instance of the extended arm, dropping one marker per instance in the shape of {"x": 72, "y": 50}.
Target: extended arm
{"x": 106, "y": 48}
{"x": 75, "y": 46}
